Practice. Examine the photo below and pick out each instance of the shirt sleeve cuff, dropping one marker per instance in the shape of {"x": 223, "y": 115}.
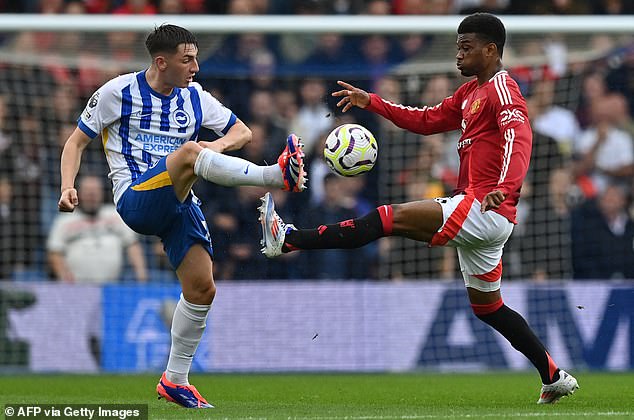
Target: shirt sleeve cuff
{"x": 230, "y": 123}
{"x": 374, "y": 98}
{"x": 83, "y": 127}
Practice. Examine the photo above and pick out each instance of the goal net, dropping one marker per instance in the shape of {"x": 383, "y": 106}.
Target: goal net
{"x": 276, "y": 74}
{"x": 280, "y": 82}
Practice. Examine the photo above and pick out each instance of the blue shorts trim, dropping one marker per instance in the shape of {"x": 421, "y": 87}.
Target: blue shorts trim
{"x": 150, "y": 207}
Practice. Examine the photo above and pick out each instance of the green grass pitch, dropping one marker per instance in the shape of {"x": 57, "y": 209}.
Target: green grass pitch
{"x": 339, "y": 396}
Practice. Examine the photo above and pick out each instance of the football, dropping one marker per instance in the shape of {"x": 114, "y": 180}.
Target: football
{"x": 350, "y": 150}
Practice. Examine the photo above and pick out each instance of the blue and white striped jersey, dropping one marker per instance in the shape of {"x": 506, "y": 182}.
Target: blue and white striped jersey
{"x": 139, "y": 125}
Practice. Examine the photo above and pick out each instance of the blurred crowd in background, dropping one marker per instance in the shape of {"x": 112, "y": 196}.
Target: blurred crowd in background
{"x": 576, "y": 213}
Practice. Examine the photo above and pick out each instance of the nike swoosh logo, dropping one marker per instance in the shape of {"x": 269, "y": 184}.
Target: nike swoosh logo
{"x": 246, "y": 171}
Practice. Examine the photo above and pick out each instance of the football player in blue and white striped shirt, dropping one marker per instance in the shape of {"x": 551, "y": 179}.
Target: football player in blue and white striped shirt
{"x": 149, "y": 123}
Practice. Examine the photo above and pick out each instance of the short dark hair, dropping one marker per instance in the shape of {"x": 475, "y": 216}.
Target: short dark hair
{"x": 487, "y": 27}
{"x": 166, "y": 38}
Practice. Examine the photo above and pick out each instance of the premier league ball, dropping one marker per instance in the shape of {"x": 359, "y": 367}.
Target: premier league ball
{"x": 350, "y": 150}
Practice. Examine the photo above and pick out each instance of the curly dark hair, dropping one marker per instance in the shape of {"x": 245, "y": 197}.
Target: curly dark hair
{"x": 487, "y": 27}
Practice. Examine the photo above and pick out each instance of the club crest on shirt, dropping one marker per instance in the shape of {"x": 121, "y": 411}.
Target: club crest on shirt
{"x": 475, "y": 106}
{"x": 93, "y": 100}
{"x": 181, "y": 118}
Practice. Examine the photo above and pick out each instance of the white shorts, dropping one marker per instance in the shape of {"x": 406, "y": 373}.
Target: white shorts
{"x": 479, "y": 239}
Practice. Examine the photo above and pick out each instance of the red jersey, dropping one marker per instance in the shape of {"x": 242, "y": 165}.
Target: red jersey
{"x": 495, "y": 145}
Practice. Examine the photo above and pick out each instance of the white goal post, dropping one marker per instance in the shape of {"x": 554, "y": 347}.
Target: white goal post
{"x": 352, "y": 24}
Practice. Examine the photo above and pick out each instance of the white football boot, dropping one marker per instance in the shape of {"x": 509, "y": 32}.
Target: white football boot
{"x": 565, "y": 385}
{"x": 273, "y": 228}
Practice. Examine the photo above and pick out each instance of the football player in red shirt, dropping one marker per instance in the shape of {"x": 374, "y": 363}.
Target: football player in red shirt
{"x": 494, "y": 150}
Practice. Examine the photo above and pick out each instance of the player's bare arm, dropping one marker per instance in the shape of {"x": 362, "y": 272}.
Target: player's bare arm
{"x": 352, "y": 96}
{"x": 236, "y": 138}
{"x": 492, "y": 200}
{"x": 71, "y": 160}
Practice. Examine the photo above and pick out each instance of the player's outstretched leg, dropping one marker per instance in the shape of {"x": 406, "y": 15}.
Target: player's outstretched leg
{"x": 183, "y": 395}
{"x": 288, "y": 173}
{"x": 565, "y": 385}
{"x": 279, "y": 237}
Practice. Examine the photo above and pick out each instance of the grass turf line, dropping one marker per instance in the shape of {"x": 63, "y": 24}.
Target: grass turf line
{"x": 339, "y": 396}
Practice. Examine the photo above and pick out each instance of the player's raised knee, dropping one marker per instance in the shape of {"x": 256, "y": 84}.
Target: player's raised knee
{"x": 185, "y": 156}
{"x": 191, "y": 149}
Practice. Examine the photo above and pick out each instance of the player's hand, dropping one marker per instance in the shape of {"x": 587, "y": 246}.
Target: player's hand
{"x": 352, "y": 96}
{"x": 69, "y": 200}
{"x": 492, "y": 200}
